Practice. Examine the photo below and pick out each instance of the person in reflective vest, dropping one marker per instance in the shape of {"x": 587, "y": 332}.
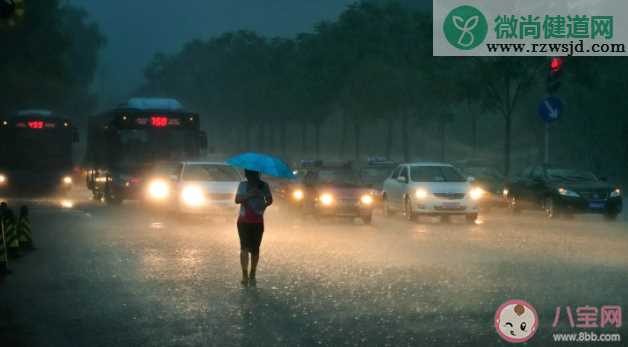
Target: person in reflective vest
{"x": 25, "y": 235}
{"x": 4, "y": 259}
{"x": 10, "y": 231}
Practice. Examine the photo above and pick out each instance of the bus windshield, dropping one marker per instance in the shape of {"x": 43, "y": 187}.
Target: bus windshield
{"x": 141, "y": 146}
{"x": 30, "y": 149}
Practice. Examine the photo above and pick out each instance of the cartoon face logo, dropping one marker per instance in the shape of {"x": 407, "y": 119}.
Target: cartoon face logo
{"x": 516, "y": 321}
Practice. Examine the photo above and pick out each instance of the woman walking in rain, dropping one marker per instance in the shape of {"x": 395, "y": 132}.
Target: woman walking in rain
{"x": 254, "y": 197}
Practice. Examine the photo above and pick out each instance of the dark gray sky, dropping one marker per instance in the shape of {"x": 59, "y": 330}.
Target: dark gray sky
{"x": 137, "y": 29}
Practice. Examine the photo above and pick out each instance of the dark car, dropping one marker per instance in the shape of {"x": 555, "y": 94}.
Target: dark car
{"x": 376, "y": 172}
{"x": 491, "y": 180}
{"x": 564, "y": 192}
{"x": 330, "y": 191}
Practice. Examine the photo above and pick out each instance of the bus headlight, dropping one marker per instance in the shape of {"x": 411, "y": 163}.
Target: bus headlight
{"x": 158, "y": 189}
{"x": 326, "y": 199}
{"x": 3, "y": 179}
{"x": 366, "y": 199}
{"x": 67, "y": 180}
{"x": 298, "y": 195}
{"x": 616, "y": 193}
{"x": 476, "y": 193}
{"x": 193, "y": 196}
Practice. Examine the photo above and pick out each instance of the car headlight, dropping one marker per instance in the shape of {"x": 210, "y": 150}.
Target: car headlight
{"x": 158, "y": 189}
{"x": 3, "y": 179}
{"x": 421, "y": 194}
{"x": 366, "y": 199}
{"x": 476, "y": 193}
{"x": 616, "y": 193}
{"x": 298, "y": 195}
{"x": 67, "y": 180}
{"x": 193, "y": 196}
{"x": 566, "y": 192}
{"x": 326, "y": 199}
{"x": 505, "y": 192}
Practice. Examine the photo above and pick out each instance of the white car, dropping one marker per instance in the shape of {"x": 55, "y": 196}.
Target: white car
{"x": 198, "y": 187}
{"x": 430, "y": 189}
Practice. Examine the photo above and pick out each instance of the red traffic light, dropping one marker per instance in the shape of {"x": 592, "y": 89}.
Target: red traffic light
{"x": 556, "y": 64}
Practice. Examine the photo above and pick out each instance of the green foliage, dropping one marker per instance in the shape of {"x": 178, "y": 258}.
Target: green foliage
{"x": 48, "y": 60}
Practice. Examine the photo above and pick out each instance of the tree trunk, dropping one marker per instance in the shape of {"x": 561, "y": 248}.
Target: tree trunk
{"x": 507, "y": 139}
{"x": 304, "y": 139}
{"x": 389, "y": 136}
{"x": 283, "y": 138}
{"x": 357, "y": 132}
{"x": 474, "y": 134}
{"x": 260, "y": 137}
{"x": 405, "y": 137}
{"x": 343, "y": 137}
{"x": 443, "y": 139}
{"x": 317, "y": 138}
{"x": 247, "y": 137}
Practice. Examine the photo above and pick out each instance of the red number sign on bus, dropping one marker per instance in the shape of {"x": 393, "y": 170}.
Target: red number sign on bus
{"x": 159, "y": 121}
{"x": 36, "y": 124}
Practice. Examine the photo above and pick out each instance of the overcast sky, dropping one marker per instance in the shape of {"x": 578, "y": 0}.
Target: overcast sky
{"x": 137, "y": 29}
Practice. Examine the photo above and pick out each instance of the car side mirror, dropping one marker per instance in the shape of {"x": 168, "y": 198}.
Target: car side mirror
{"x": 470, "y": 179}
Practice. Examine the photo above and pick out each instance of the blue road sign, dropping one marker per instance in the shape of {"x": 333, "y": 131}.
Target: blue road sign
{"x": 550, "y": 109}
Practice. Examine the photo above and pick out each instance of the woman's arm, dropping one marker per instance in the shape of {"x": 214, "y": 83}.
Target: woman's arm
{"x": 268, "y": 196}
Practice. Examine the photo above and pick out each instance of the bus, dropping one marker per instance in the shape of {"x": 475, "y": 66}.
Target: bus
{"x": 36, "y": 153}
{"x": 126, "y": 143}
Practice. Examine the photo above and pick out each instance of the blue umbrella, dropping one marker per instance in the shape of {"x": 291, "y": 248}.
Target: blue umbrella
{"x": 262, "y": 163}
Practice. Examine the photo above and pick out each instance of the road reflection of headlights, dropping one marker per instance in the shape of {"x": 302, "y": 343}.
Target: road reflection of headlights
{"x": 158, "y": 189}
{"x": 566, "y": 192}
{"x": 193, "y": 196}
{"x": 366, "y": 199}
{"x": 297, "y": 195}
{"x": 421, "y": 194}
{"x": 327, "y": 199}
{"x": 67, "y": 180}
{"x": 476, "y": 193}
{"x": 616, "y": 193}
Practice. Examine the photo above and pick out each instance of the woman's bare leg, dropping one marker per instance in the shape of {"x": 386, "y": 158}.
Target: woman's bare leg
{"x": 244, "y": 262}
{"x": 254, "y": 261}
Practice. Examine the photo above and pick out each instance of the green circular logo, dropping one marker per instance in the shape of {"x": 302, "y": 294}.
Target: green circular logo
{"x": 465, "y": 27}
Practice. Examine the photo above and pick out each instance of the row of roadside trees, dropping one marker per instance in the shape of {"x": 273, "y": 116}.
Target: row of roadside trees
{"x": 367, "y": 83}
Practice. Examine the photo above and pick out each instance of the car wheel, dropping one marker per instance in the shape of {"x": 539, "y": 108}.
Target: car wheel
{"x": 111, "y": 198}
{"x": 472, "y": 218}
{"x": 407, "y": 209}
{"x": 387, "y": 211}
{"x": 551, "y": 210}
{"x": 611, "y": 216}
{"x": 367, "y": 219}
{"x": 513, "y": 204}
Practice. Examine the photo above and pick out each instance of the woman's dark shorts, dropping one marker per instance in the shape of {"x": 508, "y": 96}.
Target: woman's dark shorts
{"x": 250, "y": 236}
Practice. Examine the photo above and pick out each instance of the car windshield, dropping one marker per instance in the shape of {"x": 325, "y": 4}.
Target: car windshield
{"x": 484, "y": 172}
{"x": 342, "y": 177}
{"x": 570, "y": 175}
{"x": 212, "y": 173}
{"x": 375, "y": 175}
{"x": 435, "y": 174}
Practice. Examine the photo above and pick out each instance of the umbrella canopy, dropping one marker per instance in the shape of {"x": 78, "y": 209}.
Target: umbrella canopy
{"x": 262, "y": 163}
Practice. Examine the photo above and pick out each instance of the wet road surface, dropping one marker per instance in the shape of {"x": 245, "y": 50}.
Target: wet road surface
{"x": 128, "y": 276}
